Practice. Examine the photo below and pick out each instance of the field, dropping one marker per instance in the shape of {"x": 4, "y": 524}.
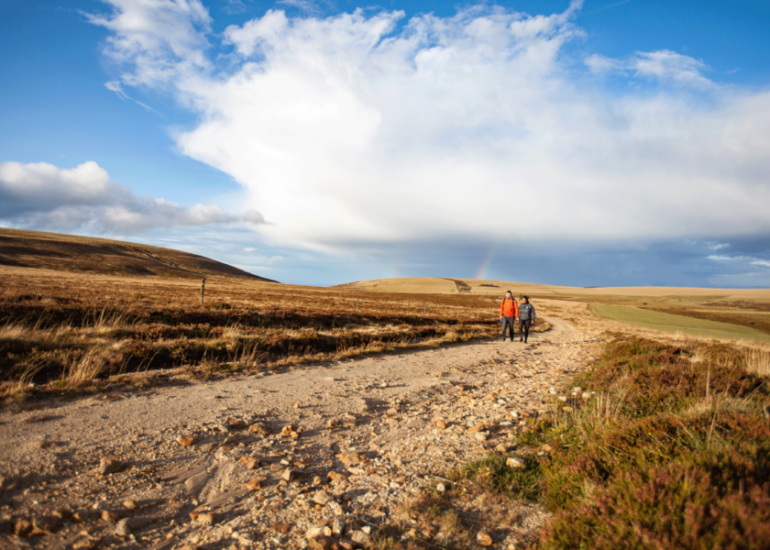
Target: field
{"x": 68, "y": 331}
{"x": 667, "y": 322}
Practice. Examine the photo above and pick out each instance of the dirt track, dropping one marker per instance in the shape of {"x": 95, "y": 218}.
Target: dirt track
{"x": 365, "y": 434}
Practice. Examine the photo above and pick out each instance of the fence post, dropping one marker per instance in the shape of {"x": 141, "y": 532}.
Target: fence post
{"x": 458, "y": 312}
{"x": 203, "y": 289}
{"x": 357, "y": 308}
{"x": 407, "y": 307}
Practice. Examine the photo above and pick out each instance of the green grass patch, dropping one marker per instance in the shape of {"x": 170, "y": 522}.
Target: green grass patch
{"x": 668, "y": 322}
{"x": 492, "y": 473}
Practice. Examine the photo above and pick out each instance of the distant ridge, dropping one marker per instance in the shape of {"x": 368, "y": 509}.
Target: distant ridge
{"x": 36, "y": 249}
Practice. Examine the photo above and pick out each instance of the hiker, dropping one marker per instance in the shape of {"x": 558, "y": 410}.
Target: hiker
{"x": 509, "y": 311}
{"x": 526, "y": 317}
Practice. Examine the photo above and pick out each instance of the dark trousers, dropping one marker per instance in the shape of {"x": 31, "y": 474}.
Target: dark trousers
{"x": 524, "y": 325}
{"x": 508, "y": 322}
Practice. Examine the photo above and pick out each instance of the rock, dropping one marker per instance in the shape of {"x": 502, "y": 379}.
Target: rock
{"x": 349, "y": 459}
{"x": 46, "y": 525}
{"x": 481, "y": 436}
{"x": 367, "y": 529}
{"x": 568, "y": 409}
{"x": 323, "y": 543}
{"x": 547, "y": 448}
{"x": 3, "y": 482}
{"x": 359, "y": 537}
{"x": 477, "y": 428}
{"x": 185, "y": 440}
{"x": 502, "y": 448}
{"x": 563, "y": 398}
{"x": 318, "y": 531}
{"x": 515, "y": 463}
{"x": 123, "y": 528}
{"x": 321, "y": 497}
{"x": 289, "y": 474}
{"x": 317, "y": 480}
{"x": 250, "y": 462}
{"x": 440, "y": 487}
{"x": 484, "y": 539}
{"x": 258, "y": 429}
{"x": 287, "y": 430}
{"x": 130, "y": 504}
{"x": 22, "y": 528}
{"x": 586, "y": 395}
{"x": 256, "y": 483}
{"x": 207, "y": 518}
{"x": 441, "y": 424}
{"x": 109, "y": 517}
{"x": 236, "y": 425}
{"x": 84, "y": 544}
{"x": 577, "y": 390}
{"x": 283, "y": 528}
{"x": 338, "y": 527}
{"x": 335, "y": 477}
{"x": 110, "y": 465}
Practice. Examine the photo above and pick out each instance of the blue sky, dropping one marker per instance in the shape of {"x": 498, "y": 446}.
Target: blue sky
{"x": 597, "y": 143}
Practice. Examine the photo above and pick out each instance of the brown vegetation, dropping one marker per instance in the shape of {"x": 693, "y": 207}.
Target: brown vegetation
{"x": 64, "y": 331}
{"x": 60, "y": 252}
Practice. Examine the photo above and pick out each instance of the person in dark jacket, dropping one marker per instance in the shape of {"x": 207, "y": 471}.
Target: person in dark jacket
{"x": 526, "y": 318}
{"x": 509, "y": 311}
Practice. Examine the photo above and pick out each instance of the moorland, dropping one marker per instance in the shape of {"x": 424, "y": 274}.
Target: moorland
{"x": 660, "y": 437}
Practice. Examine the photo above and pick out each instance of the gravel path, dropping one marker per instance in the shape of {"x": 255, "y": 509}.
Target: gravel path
{"x": 257, "y": 461}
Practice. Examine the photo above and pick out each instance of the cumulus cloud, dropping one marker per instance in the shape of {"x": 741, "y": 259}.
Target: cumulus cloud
{"x": 43, "y": 196}
{"x": 365, "y": 127}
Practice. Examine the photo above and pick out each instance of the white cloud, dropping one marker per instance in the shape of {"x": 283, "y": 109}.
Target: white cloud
{"x": 668, "y": 65}
{"x": 663, "y": 65}
{"x": 349, "y": 127}
{"x": 157, "y": 37}
{"x": 43, "y": 196}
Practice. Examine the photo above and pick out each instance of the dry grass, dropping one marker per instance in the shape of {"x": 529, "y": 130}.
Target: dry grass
{"x": 70, "y": 332}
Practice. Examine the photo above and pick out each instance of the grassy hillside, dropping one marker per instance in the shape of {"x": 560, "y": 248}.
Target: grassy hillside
{"x": 59, "y": 252}
{"x": 667, "y": 322}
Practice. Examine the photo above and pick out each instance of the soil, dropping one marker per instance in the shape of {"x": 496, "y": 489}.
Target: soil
{"x": 266, "y": 460}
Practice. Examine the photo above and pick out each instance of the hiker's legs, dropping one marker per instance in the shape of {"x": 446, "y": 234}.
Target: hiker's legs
{"x": 507, "y": 324}
{"x": 524, "y": 329}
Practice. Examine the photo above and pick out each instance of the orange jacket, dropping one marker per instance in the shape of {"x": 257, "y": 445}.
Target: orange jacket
{"x": 509, "y": 308}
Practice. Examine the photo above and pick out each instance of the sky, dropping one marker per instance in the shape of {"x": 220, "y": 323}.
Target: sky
{"x": 582, "y": 143}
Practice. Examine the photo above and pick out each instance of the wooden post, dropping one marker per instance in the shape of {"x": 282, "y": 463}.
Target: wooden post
{"x": 407, "y": 307}
{"x": 357, "y": 308}
{"x": 458, "y": 312}
{"x": 203, "y": 289}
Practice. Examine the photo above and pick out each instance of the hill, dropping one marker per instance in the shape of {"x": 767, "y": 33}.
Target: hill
{"x": 36, "y": 249}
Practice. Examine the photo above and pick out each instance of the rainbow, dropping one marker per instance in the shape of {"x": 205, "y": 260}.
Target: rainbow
{"x": 484, "y": 267}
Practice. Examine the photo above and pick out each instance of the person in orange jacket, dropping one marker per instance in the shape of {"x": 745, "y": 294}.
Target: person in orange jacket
{"x": 509, "y": 312}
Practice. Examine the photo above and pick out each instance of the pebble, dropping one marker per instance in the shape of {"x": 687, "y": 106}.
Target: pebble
{"x": 110, "y": 465}
{"x": 484, "y": 539}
